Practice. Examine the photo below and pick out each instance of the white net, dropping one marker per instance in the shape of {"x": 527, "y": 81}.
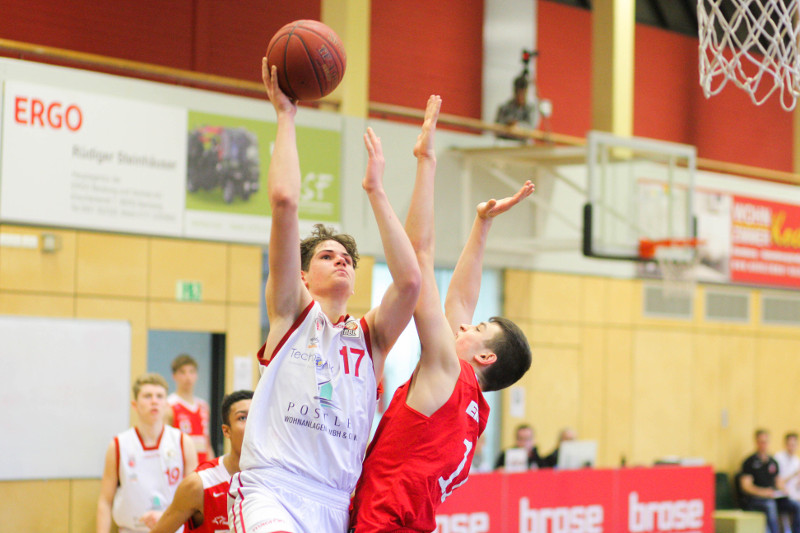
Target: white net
{"x": 752, "y": 43}
{"x": 676, "y": 264}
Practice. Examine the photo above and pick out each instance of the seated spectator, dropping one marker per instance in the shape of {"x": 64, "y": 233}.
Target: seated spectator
{"x": 789, "y": 466}
{"x": 526, "y": 440}
{"x": 517, "y": 111}
{"x": 566, "y": 434}
{"x": 760, "y": 486}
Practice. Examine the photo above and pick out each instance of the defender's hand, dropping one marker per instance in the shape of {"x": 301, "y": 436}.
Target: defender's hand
{"x": 493, "y": 207}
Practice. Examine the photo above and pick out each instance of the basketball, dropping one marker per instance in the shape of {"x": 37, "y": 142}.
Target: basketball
{"x": 310, "y": 59}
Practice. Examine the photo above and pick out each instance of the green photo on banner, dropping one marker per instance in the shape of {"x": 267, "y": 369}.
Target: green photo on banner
{"x": 228, "y": 159}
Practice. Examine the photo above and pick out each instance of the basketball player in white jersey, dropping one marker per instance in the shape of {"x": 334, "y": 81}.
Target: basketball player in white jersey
{"x": 201, "y": 499}
{"x": 143, "y": 464}
{"x": 313, "y": 407}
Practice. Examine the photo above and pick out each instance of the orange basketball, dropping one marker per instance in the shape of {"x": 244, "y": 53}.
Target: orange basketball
{"x": 310, "y": 59}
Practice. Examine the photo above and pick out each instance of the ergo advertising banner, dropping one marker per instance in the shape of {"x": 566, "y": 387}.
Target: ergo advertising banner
{"x": 633, "y": 500}
{"x": 82, "y": 160}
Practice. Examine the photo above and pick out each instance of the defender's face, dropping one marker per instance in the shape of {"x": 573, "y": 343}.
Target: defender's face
{"x": 473, "y": 340}
{"x": 185, "y": 377}
{"x": 330, "y": 267}
{"x": 237, "y": 418}
{"x": 151, "y": 403}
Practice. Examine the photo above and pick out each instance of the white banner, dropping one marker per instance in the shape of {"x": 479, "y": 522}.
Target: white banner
{"x": 91, "y": 161}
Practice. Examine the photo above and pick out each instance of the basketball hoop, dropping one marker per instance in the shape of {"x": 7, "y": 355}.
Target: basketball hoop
{"x": 676, "y": 259}
{"x": 754, "y": 44}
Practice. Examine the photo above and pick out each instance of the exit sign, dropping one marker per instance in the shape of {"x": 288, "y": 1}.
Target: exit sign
{"x": 189, "y": 291}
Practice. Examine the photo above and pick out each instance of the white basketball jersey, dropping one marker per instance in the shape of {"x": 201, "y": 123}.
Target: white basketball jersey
{"x": 312, "y": 410}
{"x": 148, "y": 477}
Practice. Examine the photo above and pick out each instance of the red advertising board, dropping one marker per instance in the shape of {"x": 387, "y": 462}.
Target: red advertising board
{"x": 765, "y": 242}
{"x": 634, "y": 500}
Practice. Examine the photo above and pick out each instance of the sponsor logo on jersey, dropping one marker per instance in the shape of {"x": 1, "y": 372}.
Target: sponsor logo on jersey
{"x": 324, "y": 386}
{"x": 320, "y": 323}
{"x": 220, "y": 520}
{"x": 350, "y": 329}
{"x": 313, "y": 343}
{"x": 132, "y": 462}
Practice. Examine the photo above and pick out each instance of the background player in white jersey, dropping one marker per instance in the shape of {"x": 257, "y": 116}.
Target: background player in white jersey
{"x": 201, "y": 499}
{"x": 313, "y": 406}
{"x": 143, "y": 464}
{"x": 187, "y": 412}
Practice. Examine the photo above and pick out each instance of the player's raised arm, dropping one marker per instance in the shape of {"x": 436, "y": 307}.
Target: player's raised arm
{"x": 465, "y": 285}
{"x": 394, "y": 312}
{"x": 285, "y": 294}
{"x": 438, "y": 352}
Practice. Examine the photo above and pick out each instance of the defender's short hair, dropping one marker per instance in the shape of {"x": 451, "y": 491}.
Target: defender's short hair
{"x": 229, "y": 400}
{"x": 151, "y": 378}
{"x": 513, "y": 356}
{"x": 319, "y": 234}
{"x": 183, "y": 360}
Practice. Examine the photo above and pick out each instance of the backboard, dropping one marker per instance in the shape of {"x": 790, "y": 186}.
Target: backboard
{"x": 638, "y": 190}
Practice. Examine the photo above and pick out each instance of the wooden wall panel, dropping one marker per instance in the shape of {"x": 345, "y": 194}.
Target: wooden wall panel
{"x": 552, "y": 393}
{"x": 83, "y": 505}
{"x": 37, "y": 271}
{"x": 592, "y": 375}
{"x": 518, "y": 294}
{"x": 556, "y": 297}
{"x": 242, "y": 339}
{"x": 618, "y": 409}
{"x": 111, "y": 265}
{"x": 662, "y": 362}
{"x": 706, "y": 409}
{"x": 173, "y": 260}
{"x": 777, "y": 382}
{"x": 15, "y": 303}
{"x": 35, "y": 506}
{"x": 245, "y": 271}
{"x": 187, "y": 316}
{"x": 738, "y": 364}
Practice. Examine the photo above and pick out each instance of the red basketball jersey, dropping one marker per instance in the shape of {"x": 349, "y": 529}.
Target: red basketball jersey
{"x": 415, "y": 461}
{"x": 216, "y": 481}
{"x": 192, "y": 419}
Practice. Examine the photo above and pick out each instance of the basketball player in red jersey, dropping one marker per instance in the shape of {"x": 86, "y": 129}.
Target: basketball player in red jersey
{"x": 423, "y": 447}
{"x": 187, "y": 412}
{"x": 201, "y": 498}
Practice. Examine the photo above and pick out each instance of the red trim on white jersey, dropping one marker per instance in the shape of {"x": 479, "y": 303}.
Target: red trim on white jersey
{"x": 158, "y": 441}
{"x": 116, "y": 445}
{"x": 295, "y": 325}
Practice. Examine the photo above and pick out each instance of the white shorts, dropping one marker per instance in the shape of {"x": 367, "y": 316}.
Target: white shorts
{"x": 273, "y": 500}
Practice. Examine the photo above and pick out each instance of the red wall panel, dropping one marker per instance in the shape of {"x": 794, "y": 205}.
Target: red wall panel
{"x": 564, "y": 66}
{"x": 138, "y": 30}
{"x": 231, "y": 37}
{"x": 665, "y": 83}
{"x": 668, "y": 101}
{"x": 419, "y": 48}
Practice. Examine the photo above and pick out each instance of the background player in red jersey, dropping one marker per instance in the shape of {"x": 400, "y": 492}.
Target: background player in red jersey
{"x": 187, "y": 412}
{"x": 201, "y": 499}
{"x": 424, "y": 444}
